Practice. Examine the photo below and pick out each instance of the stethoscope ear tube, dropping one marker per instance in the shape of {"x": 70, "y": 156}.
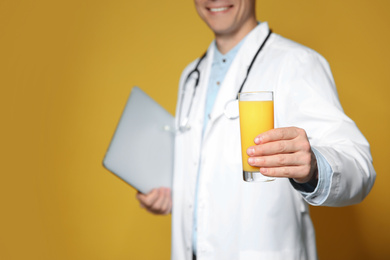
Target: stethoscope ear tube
{"x": 183, "y": 127}
{"x": 230, "y": 110}
{"x": 253, "y": 61}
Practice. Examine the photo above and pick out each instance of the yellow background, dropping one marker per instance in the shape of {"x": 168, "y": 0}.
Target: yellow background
{"x": 66, "y": 69}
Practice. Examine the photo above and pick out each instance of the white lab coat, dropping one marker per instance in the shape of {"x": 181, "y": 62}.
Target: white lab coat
{"x": 239, "y": 220}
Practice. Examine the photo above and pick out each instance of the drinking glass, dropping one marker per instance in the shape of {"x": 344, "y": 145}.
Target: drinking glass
{"x": 256, "y": 116}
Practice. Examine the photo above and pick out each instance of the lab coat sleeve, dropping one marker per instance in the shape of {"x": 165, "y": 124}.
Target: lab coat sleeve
{"x": 307, "y": 91}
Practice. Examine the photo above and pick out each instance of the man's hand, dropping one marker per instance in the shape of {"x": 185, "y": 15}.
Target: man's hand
{"x": 157, "y": 201}
{"x": 284, "y": 152}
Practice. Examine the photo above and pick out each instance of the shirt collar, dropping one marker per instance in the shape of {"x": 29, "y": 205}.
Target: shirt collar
{"x": 219, "y": 57}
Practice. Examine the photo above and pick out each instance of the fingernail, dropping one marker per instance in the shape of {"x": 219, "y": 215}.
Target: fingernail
{"x": 251, "y": 160}
{"x": 263, "y": 170}
{"x": 250, "y": 151}
{"x": 257, "y": 140}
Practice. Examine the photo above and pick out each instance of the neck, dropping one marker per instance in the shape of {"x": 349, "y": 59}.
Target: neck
{"x": 226, "y": 42}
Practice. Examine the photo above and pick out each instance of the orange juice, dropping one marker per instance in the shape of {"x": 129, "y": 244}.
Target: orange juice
{"x": 256, "y": 117}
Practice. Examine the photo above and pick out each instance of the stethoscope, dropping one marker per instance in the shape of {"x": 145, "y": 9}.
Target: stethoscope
{"x": 183, "y": 124}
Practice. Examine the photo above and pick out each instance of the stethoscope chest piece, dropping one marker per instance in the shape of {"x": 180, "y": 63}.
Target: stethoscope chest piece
{"x": 231, "y": 109}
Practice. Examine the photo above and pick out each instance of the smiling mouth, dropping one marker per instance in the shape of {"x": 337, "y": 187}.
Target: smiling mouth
{"x": 219, "y": 9}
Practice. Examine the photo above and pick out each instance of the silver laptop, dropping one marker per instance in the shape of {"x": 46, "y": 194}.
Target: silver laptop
{"x": 141, "y": 150}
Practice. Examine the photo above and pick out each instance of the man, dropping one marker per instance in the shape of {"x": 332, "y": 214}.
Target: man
{"x": 316, "y": 152}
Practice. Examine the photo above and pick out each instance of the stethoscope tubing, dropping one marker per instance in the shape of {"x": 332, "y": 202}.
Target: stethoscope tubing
{"x": 185, "y": 126}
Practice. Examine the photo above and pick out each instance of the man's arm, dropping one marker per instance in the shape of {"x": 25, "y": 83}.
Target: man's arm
{"x": 307, "y": 98}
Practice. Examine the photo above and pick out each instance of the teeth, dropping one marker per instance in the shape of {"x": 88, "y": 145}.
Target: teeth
{"x": 219, "y": 9}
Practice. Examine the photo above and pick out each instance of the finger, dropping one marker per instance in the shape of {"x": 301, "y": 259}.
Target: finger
{"x": 147, "y": 200}
{"x": 169, "y": 200}
{"x": 170, "y": 206}
{"x": 279, "y": 160}
{"x": 157, "y": 205}
{"x": 295, "y": 172}
{"x": 166, "y": 206}
{"x": 284, "y": 133}
{"x": 277, "y": 147}
{"x": 280, "y": 147}
{"x": 160, "y": 206}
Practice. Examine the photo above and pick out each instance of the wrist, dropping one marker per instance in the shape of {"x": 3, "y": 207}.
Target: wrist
{"x": 309, "y": 183}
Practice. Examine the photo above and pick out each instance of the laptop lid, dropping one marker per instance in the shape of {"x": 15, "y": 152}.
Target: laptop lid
{"x": 141, "y": 149}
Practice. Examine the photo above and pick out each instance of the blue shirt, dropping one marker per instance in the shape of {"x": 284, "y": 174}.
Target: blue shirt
{"x": 219, "y": 67}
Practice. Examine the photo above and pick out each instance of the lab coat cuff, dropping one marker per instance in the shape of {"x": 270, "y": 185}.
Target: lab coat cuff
{"x": 321, "y": 192}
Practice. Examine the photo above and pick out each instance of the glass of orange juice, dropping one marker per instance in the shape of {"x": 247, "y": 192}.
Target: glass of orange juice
{"x": 256, "y": 116}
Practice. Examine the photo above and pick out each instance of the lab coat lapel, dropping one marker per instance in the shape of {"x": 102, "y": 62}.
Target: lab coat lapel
{"x": 201, "y": 92}
{"x": 237, "y": 72}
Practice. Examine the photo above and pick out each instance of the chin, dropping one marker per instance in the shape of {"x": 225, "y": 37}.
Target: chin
{"x": 221, "y": 27}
